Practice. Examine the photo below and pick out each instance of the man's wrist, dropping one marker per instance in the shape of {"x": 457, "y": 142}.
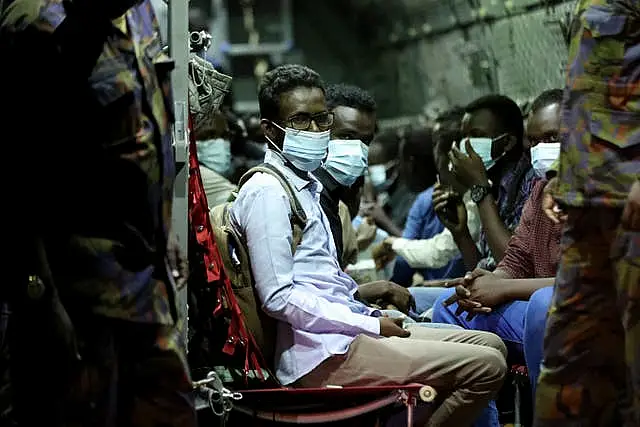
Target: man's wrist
{"x": 462, "y": 234}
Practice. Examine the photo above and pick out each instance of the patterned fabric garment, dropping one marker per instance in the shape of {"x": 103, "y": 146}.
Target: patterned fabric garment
{"x": 591, "y": 368}
{"x": 590, "y": 373}
{"x": 101, "y": 152}
{"x": 515, "y": 187}
{"x": 131, "y": 375}
{"x": 600, "y": 155}
{"x": 534, "y": 248}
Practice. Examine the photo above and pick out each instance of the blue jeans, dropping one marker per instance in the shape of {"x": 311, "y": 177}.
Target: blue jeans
{"x": 425, "y": 299}
{"x": 520, "y": 324}
{"x": 534, "y": 326}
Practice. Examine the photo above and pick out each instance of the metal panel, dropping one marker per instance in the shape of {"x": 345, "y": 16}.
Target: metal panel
{"x": 179, "y": 50}
{"x": 519, "y": 55}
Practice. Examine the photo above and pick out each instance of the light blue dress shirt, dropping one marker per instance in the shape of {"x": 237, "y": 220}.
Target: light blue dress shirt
{"x": 308, "y": 293}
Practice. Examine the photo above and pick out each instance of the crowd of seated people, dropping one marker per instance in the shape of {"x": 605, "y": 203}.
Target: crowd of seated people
{"x": 458, "y": 205}
{"x": 488, "y": 228}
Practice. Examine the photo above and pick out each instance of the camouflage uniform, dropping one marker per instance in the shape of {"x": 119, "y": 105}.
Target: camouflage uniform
{"x": 91, "y": 100}
{"x": 591, "y": 367}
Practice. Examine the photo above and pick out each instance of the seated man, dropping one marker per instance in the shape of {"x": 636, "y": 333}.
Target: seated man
{"x": 342, "y": 175}
{"x": 441, "y": 248}
{"x": 325, "y": 336}
{"x": 513, "y": 300}
{"x": 214, "y": 156}
{"x": 393, "y": 197}
{"x": 423, "y": 223}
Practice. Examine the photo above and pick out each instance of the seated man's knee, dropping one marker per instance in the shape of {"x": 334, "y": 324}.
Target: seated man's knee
{"x": 492, "y": 365}
{"x": 537, "y": 308}
{"x": 493, "y": 341}
{"x": 540, "y": 301}
{"x": 442, "y": 314}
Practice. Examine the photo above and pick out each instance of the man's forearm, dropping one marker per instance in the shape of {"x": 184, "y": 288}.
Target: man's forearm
{"x": 496, "y": 233}
{"x": 468, "y": 249}
{"x": 522, "y": 289}
{"x": 387, "y": 225}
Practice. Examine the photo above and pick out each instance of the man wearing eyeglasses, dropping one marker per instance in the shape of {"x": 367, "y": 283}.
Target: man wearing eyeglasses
{"x": 325, "y": 336}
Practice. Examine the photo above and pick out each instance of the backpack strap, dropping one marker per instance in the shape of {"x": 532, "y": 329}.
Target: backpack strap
{"x": 298, "y": 216}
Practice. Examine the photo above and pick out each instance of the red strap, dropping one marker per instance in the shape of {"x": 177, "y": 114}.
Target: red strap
{"x": 237, "y": 333}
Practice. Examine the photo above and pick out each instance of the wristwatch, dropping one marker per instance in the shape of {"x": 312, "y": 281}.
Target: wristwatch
{"x": 479, "y": 192}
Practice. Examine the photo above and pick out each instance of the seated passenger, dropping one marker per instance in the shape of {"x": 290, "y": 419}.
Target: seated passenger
{"x": 513, "y": 300}
{"x": 436, "y": 251}
{"x": 342, "y": 175}
{"x": 423, "y": 223}
{"x": 325, "y": 336}
{"x": 393, "y": 198}
{"x": 214, "y": 157}
{"x": 499, "y": 175}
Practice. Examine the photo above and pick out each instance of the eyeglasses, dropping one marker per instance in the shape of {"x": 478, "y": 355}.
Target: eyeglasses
{"x": 302, "y": 121}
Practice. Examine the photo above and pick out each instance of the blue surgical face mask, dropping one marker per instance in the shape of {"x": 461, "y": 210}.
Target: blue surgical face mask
{"x": 543, "y": 155}
{"x": 305, "y": 150}
{"x": 215, "y": 154}
{"x": 347, "y": 160}
{"x": 483, "y": 148}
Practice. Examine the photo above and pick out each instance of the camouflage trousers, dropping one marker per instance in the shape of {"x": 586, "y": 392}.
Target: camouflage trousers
{"x": 129, "y": 375}
{"x": 591, "y": 367}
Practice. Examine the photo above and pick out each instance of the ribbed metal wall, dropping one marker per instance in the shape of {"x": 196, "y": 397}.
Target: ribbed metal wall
{"x": 449, "y": 52}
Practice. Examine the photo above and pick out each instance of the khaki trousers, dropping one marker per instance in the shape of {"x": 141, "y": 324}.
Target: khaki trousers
{"x": 466, "y": 368}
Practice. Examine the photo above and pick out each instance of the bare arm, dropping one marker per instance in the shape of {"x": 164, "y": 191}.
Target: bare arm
{"x": 497, "y": 233}
{"x": 467, "y": 246}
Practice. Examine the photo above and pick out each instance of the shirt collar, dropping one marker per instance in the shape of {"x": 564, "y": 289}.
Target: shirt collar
{"x": 513, "y": 170}
{"x": 274, "y": 158}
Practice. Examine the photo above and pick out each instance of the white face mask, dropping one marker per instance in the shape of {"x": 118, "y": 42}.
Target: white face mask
{"x": 543, "y": 155}
{"x": 378, "y": 175}
{"x": 483, "y": 148}
{"x": 347, "y": 160}
{"x": 305, "y": 150}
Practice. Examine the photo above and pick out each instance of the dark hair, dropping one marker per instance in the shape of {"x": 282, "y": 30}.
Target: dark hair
{"x": 417, "y": 146}
{"x": 343, "y": 95}
{"x": 546, "y": 98}
{"x": 451, "y": 116}
{"x": 283, "y": 79}
{"x": 418, "y": 142}
{"x": 390, "y": 143}
{"x": 504, "y": 109}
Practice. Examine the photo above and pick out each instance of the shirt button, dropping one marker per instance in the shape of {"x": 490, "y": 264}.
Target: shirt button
{"x": 200, "y": 228}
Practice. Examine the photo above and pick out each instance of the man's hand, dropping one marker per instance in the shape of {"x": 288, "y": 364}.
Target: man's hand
{"x": 450, "y": 209}
{"x": 488, "y": 290}
{"x": 389, "y": 293}
{"x": 631, "y": 213}
{"x": 468, "y": 169}
{"x": 392, "y": 328}
{"x": 366, "y": 233}
{"x": 383, "y": 253}
{"x": 549, "y": 205}
{"x": 464, "y": 295}
{"x": 378, "y": 214}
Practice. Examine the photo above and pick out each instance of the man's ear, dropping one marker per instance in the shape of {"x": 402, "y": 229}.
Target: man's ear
{"x": 268, "y": 129}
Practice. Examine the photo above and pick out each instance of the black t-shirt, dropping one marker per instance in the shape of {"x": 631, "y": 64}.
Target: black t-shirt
{"x": 329, "y": 200}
